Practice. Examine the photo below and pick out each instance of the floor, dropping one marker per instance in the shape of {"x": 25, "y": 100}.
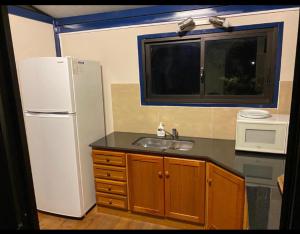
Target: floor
{"x": 95, "y": 220}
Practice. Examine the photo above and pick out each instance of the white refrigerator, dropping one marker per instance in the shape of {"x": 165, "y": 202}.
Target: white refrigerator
{"x": 62, "y": 101}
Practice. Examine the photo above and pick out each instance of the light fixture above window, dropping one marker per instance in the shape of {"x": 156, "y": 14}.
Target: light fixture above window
{"x": 189, "y": 23}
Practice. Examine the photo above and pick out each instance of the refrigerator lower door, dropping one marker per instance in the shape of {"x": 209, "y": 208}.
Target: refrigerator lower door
{"x": 52, "y": 145}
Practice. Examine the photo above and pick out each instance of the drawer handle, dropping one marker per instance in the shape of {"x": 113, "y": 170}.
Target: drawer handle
{"x": 108, "y": 174}
{"x": 110, "y": 202}
{"x": 107, "y": 160}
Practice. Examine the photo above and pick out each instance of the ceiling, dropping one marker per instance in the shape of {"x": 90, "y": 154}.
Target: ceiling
{"x": 60, "y": 11}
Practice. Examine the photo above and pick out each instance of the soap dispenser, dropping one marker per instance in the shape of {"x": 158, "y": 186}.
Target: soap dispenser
{"x": 161, "y": 130}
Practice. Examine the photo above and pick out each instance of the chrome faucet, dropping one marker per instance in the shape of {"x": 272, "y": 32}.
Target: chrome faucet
{"x": 174, "y": 133}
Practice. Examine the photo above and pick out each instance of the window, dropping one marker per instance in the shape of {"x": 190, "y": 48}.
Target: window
{"x": 235, "y": 67}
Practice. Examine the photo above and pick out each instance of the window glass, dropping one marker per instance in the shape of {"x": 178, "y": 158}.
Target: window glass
{"x": 228, "y": 67}
{"x": 235, "y": 66}
{"x": 175, "y": 68}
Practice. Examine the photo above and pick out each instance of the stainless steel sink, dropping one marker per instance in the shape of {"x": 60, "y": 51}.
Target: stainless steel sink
{"x": 151, "y": 142}
{"x": 182, "y": 145}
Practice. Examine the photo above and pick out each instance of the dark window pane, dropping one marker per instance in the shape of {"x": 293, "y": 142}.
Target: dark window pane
{"x": 175, "y": 68}
{"x": 235, "y": 66}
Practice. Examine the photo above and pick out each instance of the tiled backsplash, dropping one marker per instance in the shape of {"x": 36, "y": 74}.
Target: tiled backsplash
{"x": 209, "y": 122}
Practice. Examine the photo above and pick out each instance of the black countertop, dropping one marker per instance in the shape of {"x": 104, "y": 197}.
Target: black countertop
{"x": 219, "y": 151}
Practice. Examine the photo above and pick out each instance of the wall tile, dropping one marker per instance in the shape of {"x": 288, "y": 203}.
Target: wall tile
{"x": 208, "y": 122}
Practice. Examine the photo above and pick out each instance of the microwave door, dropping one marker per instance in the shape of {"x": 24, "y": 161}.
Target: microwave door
{"x": 269, "y": 138}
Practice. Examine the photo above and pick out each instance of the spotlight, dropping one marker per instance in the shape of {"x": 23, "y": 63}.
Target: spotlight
{"x": 186, "y": 25}
{"x": 218, "y": 21}
{"x": 189, "y": 24}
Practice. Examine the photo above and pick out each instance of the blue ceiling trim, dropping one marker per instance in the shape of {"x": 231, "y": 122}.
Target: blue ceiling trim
{"x": 57, "y": 45}
{"x": 19, "y": 11}
{"x": 56, "y": 40}
{"x": 129, "y": 13}
{"x": 164, "y": 17}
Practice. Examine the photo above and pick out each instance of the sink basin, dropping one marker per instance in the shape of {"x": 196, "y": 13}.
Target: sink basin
{"x": 182, "y": 145}
{"x": 151, "y": 142}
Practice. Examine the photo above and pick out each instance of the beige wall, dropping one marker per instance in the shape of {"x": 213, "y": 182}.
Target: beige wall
{"x": 31, "y": 38}
{"x": 116, "y": 50}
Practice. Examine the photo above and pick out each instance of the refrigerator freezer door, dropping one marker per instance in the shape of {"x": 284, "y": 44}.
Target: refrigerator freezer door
{"x": 46, "y": 85}
{"x": 53, "y": 153}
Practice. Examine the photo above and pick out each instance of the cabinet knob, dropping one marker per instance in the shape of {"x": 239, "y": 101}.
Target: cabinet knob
{"x": 160, "y": 174}
{"x": 108, "y": 174}
{"x": 167, "y": 174}
{"x": 209, "y": 181}
{"x": 110, "y": 202}
{"x": 107, "y": 160}
{"x": 109, "y": 189}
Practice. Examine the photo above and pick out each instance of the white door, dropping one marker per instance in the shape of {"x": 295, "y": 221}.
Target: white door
{"x": 53, "y": 153}
{"x": 46, "y": 85}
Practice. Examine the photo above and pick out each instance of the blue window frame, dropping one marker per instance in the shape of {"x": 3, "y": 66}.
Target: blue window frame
{"x": 213, "y": 67}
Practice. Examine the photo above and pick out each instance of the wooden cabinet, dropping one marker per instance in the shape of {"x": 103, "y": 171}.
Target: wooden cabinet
{"x": 146, "y": 186}
{"x": 110, "y": 172}
{"x": 110, "y": 178}
{"x": 110, "y": 186}
{"x": 170, "y": 186}
{"x": 109, "y": 158}
{"x": 112, "y": 200}
{"x": 185, "y": 189}
{"x": 225, "y": 198}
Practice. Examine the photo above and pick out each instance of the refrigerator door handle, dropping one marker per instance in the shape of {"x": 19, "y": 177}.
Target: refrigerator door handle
{"x": 49, "y": 112}
{"x": 50, "y": 115}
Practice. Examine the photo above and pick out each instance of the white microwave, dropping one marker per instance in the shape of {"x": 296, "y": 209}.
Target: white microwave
{"x": 262, "y": 135}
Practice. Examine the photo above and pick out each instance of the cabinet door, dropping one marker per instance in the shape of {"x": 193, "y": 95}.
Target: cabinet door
{"x": 225, "y": 199}
{"x": 185, "y": 189}
{"x": 146, "y": 184}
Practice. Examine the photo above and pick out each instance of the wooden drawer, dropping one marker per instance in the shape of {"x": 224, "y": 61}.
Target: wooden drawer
{"x": 111, "y": 200}
{"x": 109, "y": 158}
{"x": 110, "y": 186}
{"x": 110, "y": 172}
